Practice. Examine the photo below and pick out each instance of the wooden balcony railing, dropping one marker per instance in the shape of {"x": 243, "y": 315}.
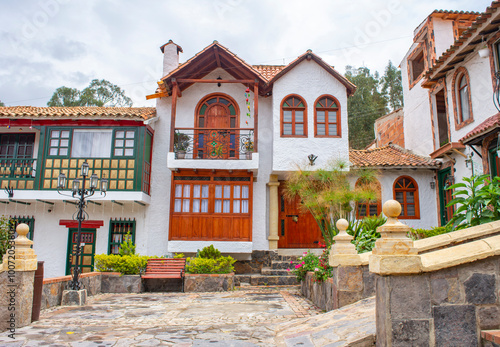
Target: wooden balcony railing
{"x": 17, "y": 173}
{"x": 213, "y": 143}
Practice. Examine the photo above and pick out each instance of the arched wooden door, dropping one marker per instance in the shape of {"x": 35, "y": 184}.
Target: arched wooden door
{"x": 218, "y": 115}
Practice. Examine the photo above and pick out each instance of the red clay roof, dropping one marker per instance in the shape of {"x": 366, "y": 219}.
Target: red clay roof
{"x": 269, "y": 71}
{"x": 488, "y": 124}
{"x": 390, "y": 156}
{"x": 30, "y": 112}
{"x": 463, "y": 38}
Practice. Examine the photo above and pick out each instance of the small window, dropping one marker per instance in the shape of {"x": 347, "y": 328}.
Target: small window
{"x": 461, "y": 98}
{"x": 59, "y": 142}
{"x": 416, "y": 64}
{"x": 118, "y": 230}
{"x": 124, "y": 143}
{"x": 406, "y": 193}
{"x": 327, "y": 117}
{"x": 293, "y": 117}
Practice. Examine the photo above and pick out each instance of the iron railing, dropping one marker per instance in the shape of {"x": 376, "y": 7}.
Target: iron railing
{"x": 213, "y": 143}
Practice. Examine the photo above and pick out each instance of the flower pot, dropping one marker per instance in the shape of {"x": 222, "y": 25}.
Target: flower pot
{"x": 248, "y": 155}
{"x": 181, "y": 154}
{"x": 484, "y": 52}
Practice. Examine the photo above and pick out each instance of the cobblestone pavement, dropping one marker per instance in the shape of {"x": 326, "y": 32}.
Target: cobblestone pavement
{"x": 245, "y": 317}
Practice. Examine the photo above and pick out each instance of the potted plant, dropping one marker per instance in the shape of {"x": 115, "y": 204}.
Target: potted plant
{"x": 248, "y": 145}
{"x": 181, "y": 144}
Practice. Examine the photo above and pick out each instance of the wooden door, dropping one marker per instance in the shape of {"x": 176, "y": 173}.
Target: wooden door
{"x": 219, "y": 141}
{"x": 87, "y": 251}
{"x": 445, "y": 196}
{"x": 297, "y": 229}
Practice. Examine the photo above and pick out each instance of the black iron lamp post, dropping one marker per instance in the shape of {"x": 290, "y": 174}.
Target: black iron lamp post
{"x": 80, "y": 215}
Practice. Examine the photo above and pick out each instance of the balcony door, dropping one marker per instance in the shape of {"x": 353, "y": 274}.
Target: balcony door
{"x": 217, "y": 114}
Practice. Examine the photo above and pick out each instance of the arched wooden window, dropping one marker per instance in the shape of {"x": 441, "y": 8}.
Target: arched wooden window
{"x": 293, "y": 117}
{"x": 327, "y": 117}
{"x": 406, "y": 193}
{"x": 462, "y": 98}
{"x": 369, "y": 208}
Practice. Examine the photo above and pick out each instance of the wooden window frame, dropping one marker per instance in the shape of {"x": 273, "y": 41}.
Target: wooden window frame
{"x": 327, "y": 122}
{"x": 460, "y": 73}
{"x": 413, "y": 80}
{"x": 416, "y": 202}
{"x": 368, "y": 204}
{"x": 17, "y": 144}
{"x": 293, "y": 109}
{"x": 131, "y": 224}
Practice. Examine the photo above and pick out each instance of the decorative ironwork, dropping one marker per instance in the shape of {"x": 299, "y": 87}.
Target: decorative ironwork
{"x": 208, "y": 143}
{"x": 17, "y": 168}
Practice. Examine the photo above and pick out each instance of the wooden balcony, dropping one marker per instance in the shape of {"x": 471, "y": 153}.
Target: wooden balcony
{"x": 17, "y": 173}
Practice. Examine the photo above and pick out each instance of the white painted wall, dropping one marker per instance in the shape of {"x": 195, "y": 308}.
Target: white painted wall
{"x": 417, "y": 114}
{"x": 51, "y": 239}
{"x": 310, "y": 81}
{"x": 443, "y": 35}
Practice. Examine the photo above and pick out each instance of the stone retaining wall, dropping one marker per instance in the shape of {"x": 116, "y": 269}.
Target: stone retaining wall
{"x": 259, "y": 259}
{"x": 320, "y": 293}
{"x": 208, "y": 282}
{"x": 446, "y": 307}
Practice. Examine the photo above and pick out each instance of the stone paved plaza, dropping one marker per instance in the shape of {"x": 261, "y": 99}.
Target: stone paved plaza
{"x": 251, "y": 316}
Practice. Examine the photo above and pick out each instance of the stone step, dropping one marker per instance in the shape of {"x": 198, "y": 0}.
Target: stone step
{"x": 266, "y": 271}
{"x": 283, "y": 264}
{"x": 260, "y": 280}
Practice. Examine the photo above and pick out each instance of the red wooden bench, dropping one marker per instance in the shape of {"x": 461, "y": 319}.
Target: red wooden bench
{"x": 165, "y": 268}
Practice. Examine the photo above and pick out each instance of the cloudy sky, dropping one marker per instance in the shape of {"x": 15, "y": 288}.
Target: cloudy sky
{"x": 46, "y": 44}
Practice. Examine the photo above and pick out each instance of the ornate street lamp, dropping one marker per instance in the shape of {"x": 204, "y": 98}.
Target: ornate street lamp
{"x": 80, "y": 215}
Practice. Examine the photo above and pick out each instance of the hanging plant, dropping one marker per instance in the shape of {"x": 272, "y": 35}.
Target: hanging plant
{"x": 247, "y": 101}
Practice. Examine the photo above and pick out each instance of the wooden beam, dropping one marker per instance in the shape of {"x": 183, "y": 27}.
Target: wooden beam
{"x": 156, "y": 95}
{"x": 174, "y": 82}
{"x": 256, "y": 116}
{"x": 216, "y": 54}
{"x": 172, "y": 113}
{"x": 197, "y": 80}
{"x": 458, "y": 152}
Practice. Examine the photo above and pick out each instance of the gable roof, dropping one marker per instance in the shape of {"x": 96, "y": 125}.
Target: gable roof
{"x": 208, "y": 59}
{"x": 77, "y": 112}
{"x": 309, "y": 55}
{"x": 475, "y": 135}
{"x": 268, "y": 71}
{"x": 390, "y": 156}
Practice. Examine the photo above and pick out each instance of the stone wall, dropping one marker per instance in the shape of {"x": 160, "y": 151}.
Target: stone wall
{"x": 259, "y": 259}
{"x": 348, "y": 285}
{"x": 208, "y": 282}
{"x": 113, "y": 282}
{"x": 445, "y": 307}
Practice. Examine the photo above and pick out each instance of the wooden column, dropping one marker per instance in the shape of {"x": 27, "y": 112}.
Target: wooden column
{"x": 175, "y": 91}
{"x": 273, "y": 212}
{"x": 256, "y": 116}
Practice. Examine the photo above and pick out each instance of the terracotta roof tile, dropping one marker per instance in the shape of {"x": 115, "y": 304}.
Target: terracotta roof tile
{"x": 30, "y": 112}
{"x": 389, "y": 156}
{"x": 269, "y": 71}
{"x": 488, "y": 124}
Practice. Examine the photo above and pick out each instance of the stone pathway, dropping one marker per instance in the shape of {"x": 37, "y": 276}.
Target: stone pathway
{"x": 245, "y": 317}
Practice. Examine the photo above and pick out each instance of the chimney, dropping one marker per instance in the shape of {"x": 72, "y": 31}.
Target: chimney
{"x": 170, "y": 52}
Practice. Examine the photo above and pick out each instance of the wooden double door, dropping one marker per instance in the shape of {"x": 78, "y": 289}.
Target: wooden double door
{"x": 297, "y": 229}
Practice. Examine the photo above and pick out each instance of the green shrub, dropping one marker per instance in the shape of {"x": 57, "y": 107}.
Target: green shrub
{"x": 221, "y": 265}
{"x": 133, "y": 264}
{"x": 418, "y": 234}
{"x": 127, "y": 247}
{"x": 209, "y": 252}
{"x": 5, "y": 224}
{"x": 308, "y": 262}
{"x": 365, "y": 232}
{"x": 178, "y": 255}
{"x": 324, "y": 270}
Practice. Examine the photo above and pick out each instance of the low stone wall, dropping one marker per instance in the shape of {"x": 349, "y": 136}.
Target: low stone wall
{"x": 348, "y": 285}
{"x": 320, "y": 293}
{"x": 446, "y": 307}
{"x": 208, "y": 282}
{"x": 113, "y": 282}
{"x": 54, "y": 287}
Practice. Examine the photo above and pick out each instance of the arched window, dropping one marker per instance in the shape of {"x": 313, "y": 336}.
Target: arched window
{"x": 293, "y": 117}
{"x": 369, "y": 208}
{"x": 461, "y": 98}
{"x": 327, "y": 117}
{"x": 406, "y": 193}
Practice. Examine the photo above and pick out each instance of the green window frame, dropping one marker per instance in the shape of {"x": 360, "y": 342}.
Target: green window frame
{"x": 16, "y": 220}
{"x": 59, "y": 142}
{"x": 17, "y": 146}
{"x": 124, "y": 142}
{"x": 118, "y": 230}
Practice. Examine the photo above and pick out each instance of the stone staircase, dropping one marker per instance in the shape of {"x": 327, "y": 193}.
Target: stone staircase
{"x": 275, "y": 274}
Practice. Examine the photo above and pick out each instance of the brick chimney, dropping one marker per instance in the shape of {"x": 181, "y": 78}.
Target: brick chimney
{"x": 170, "y": 52}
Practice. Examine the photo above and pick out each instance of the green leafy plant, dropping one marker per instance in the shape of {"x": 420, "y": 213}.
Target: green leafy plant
{"x": 365, "y": 232}
{"x": 418, "y": 234}
{"x": 178, "y": 255}
{"x": 209, "y": 252}
{"x": 220, "y": 265}
{"x": 324, "y": 270}
{"x": 477, "y": 201}
{"x": 328, "y": 195}
{"x": 181, "y": 141}
{"x": 308, "y": 262}
{"x": 5, "y": 225}
{"x": 127, "y": 264}
{"x": 127, "y": 247}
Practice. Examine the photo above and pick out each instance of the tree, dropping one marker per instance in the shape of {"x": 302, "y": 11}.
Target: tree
{"x": 392, "y": 87}
{"x": 365, "y": 106}
{"x": 1, "y": 104}
{"x": 328, "y": 195}
{"x": 98, "y": 93}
